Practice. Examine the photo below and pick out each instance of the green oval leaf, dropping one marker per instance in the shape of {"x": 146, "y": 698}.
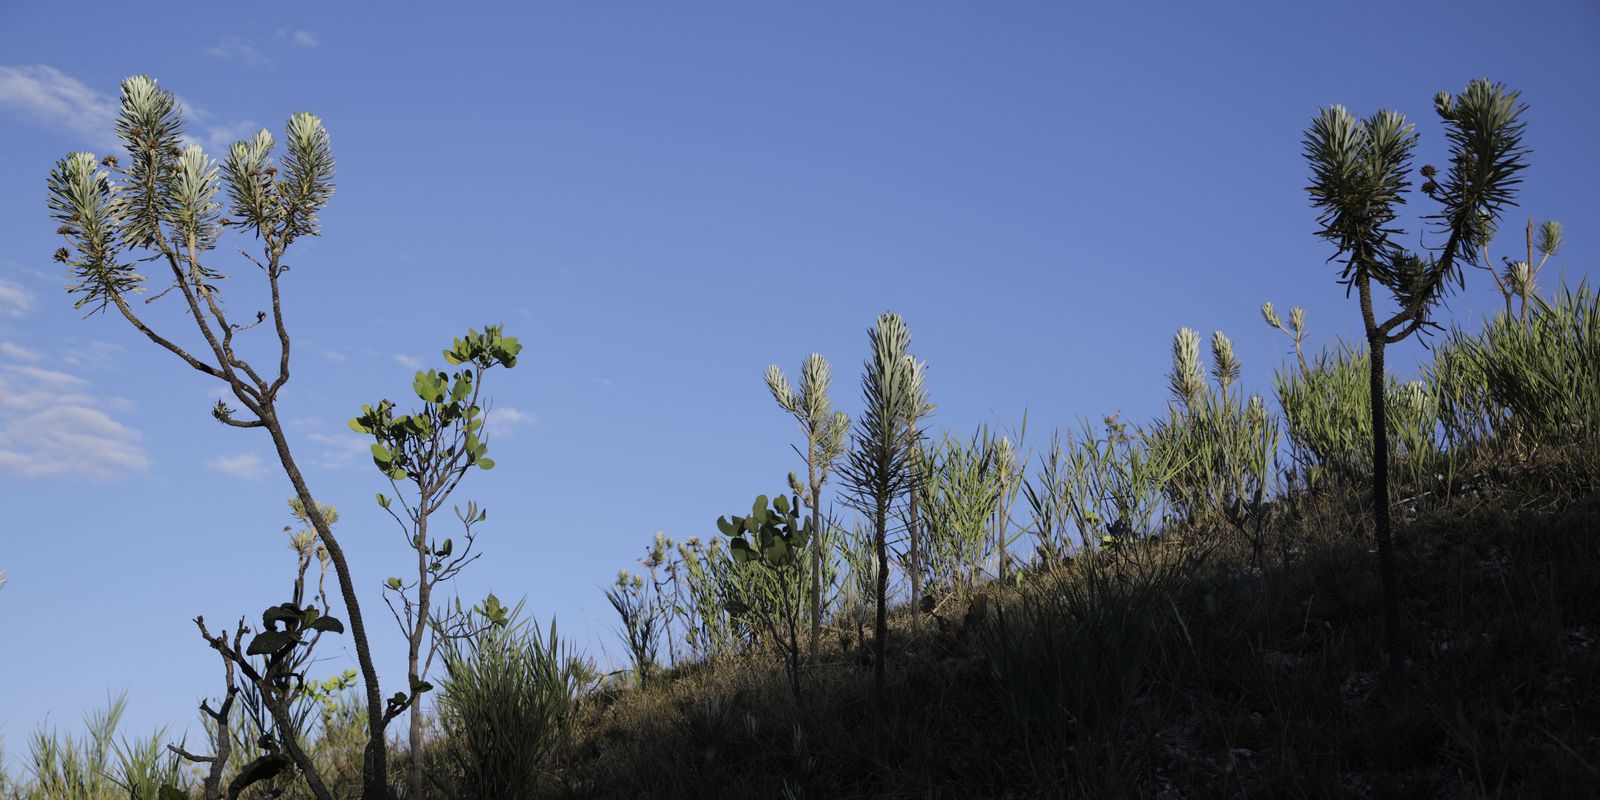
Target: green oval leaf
{"x": 269, "y": 642}
{"x": 284, "y": 613}
{"x": 328, "y": 625}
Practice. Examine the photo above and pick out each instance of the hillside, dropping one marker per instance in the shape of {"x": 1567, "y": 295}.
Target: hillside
{"x": 1179, "y": 670}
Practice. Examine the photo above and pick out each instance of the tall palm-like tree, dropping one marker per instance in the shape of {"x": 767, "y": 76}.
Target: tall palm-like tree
{"x": 879, "y": 467}
{"x": 825, "y": 431}
{"x": 1360, "y": 174}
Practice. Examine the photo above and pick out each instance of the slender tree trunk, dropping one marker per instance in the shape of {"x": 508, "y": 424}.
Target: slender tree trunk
{"x": 1387, "y": 573}
{"x": 794, "y": 653}
{"x": 301, "y": 759}
{"x": 880, "y": 634}
{"x": 375, "y": 758}
{"x": 816, "y": 543}
{"x": 1523, "y": 294}
{"x": 414, "y": 650}
{"x": 916, "y": 562}
{"x": 1000, "y": 531}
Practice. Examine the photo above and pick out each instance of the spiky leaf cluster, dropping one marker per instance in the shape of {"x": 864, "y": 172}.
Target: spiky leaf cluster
{"x": 166, "y": 198}
{"x": 894, "y": 397}
{"x": 1551, "y": 237}
{"x": 1296, "y": 328}
{"x": 1484, "y": 127}
{"x": 1224, "y": 364}
{"x": 83, "y": 200}
{"x": 1359, "y": 178}
{"x": 150, "y": 128}
{"x": 825, "y": 428}
{"x": 1187, "y": 379}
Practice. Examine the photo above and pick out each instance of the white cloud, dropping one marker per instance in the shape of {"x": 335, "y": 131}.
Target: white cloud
{"x": 52, "y": 425}
{"x": 15, "y": 300}
{"x": 299, "y": 38}
{"x": 98, "y": 354}
{"x": 29, "y": 388}
{"x": 245, "y": 466}
{"x": 505, "y": 419}
{"x": 339, "y": 450}
{"x": 216, "y": 139}
{"x": 231, "y": 49}
{"x": 335, "y": 356}
{"x": 17, "y": 352}
{"x": 606, "y": 382}
{"x": 52, "y": 97}
{"x": 407, "y": 361}
{"x": 212, "y": 135}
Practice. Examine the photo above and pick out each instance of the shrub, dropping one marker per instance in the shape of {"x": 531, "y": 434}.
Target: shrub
{"x": 1220, "y": 447}
{"x": 958, "y": 491}
{"x": 505, "y": 704}
{"x": 1544, "y": 372}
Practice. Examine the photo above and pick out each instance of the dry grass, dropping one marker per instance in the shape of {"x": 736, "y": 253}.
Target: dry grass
{"x": 1236, "y": 683}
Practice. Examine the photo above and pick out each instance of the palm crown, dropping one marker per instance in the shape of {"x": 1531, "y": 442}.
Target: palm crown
{"x": 1360, "y": 176}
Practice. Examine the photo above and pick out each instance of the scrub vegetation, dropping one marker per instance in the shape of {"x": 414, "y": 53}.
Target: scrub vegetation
{"x": 1359, "y": 585}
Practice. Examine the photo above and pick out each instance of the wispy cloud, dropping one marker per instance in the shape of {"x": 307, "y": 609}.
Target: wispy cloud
{"x": 337, "y": 355}
{"x": 213, "y": 135}
{"x": 505, "y": 419}
{"x": 17, "y": 352}
{"x": 237, "y": 50}
{"x": 50, "y": 424}
{"x": 407, "y": 361}
{"x": 97, "y": 354}
{"x": 606, "y": 382}
{"x": 15, "y": 299}
{"x": 245, "y": 466}
{"x": 216, "y": 138}
{"x": 55, "y": 98}
{"x": 299, "y": 38}
{"x": 339, "y": 450}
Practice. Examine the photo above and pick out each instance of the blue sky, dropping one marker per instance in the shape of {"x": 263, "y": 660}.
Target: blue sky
{"x": 660, "y": 200}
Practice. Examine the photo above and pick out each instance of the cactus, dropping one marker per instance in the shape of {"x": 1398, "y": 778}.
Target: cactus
{"x": 774, "y": 538}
